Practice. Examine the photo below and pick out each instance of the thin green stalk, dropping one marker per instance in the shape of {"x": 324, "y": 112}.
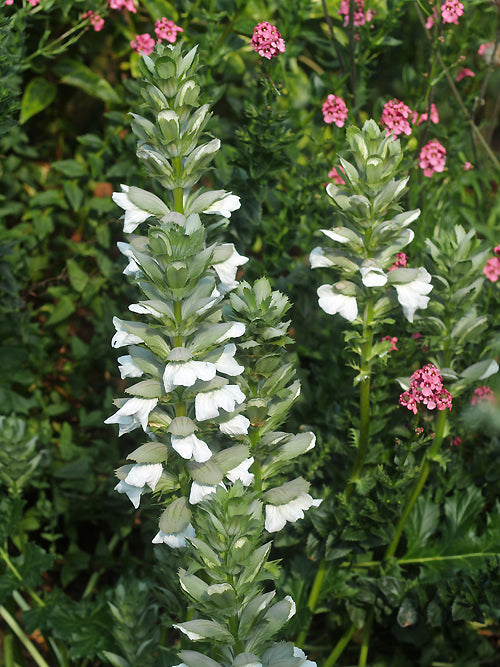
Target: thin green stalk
{"x": 365, "y": 643}
{"x": 419, "y": 484}
{"x": 352, "y": 55}
{"x": 339, "y": 647}
{"x": 313, "y": 600}
{"x": 23, "y": 638}
{"x": 18, "y": 576}
{"x": 8, "y": 650}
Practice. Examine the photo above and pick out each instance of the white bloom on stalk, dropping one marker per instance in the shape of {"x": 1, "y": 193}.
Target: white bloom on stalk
{"x": 174, "y": 540}
{"x": 278, "y": 515}
{"x": 237, "y": 425}
{"x": 132, "y": 414}
{"x": 299, "y": 653}
{"x": 185, "y": 373}
{"x": 411, "y": 295}
{"x": 128, "y": 368}
{"x": 123, "y": 337}
{"x": 138, "y": 478}
{"x": 207, "y": 404}
{"x": 191, "y": 447}
{"x": 372, "y": 275}
{"x": 133, "y": 214}
{"x": 242, "y": 473}
{"x": 132, "y": 267}
{"x": 224, "y": 206}
{"x": 226, "y": 363}
{"x": 318, "y": 259}
{"x": 199, "y": 491}
{"x": 332, "y": 302}
{"x": 226, "y": 270}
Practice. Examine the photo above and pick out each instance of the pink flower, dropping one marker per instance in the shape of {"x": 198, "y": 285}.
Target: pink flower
{"x": 96, "y": 21}
{"x": 481, "y": 394}
{"x": 431, "y": 20}
{"x": 334, "y": 110}
{"x": 267, "y": 41}
{"x": 143, "y": 44}
{"x": 481, "y": 50}
{"x": 416, "y": 335}
{"x": 464, "y": 73}
{"x": 392, "y": 340}
{"x": 167, "y": 30}
{"x": 451, "y": 10}
{"x": 432, "y": 157}
{"x": 457, "y": 441}
{"x": 496, "y": 250}
{"x": 360, "y": 16}
{"x": 401, "y": 261}
{"x": 468, "y": 165}
{"x": 426, "y": 386}
{"x": 123, "y": 4}
{"x": 415, "y": 118}
{"x": 333, "y": 174}
{"x": 33, "y": 3}
{"x": 9, "y": 2}
{"x": 395, "y": 117}
{"x": 492, "y": 269}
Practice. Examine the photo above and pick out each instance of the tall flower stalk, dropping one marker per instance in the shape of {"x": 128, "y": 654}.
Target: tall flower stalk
{"x": 212, "y": 448}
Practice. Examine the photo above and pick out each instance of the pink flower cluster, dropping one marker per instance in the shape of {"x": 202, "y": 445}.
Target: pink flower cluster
{"x": 465, "y": 72}
{"x": 334, "y": 110}
{"x": 143, "y": 44}
{"x": 401, "y": 261}
{"x": 335, "y": 176}
{"x": 392, "y": 340}
{"x": 492, "y": 267}
{"x": 267, "y": 40}
{"x": 396, "y": 118}
{"x": 96, "y": 20}
{"x": 481, "y": 394}
{"x": 360, "y": 15}
{"x": 423, "y": 117}
{"x": 167, "y": 30}
{"x": 432, "y": 157}
{"x": 468, "y": 165}
{"x": 426, "y": 386}
{"x": 123, "y": 4}
{"x": 451, "y": 11}
{"x": 33, "y": 3}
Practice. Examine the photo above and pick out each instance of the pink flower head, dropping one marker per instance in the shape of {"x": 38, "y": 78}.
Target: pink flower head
{"x": 457, "y": 441}
{"x": 392, "y": 340}
{"x": 492, "y": 269}
{"x": 267, "y": 40}
{"x": 416, "y": 335}
{"x": 143, "y": 44}
{"x": 360, "y": 16}
{"x": 334, "y": 174}
{"x": 401, "y": 261}
{"x": 431, "y": 20}
{"x": 9, "y": 2}
{"x": 167, "y": 30}
{"x": 426, "y": 387}
{"x": 415, "y": 118}
{"x": 34, "y": 3}
{"x": 123, "y": 4}
{"x": 481, "y": 50}
{"x": 96, "y": 21}
{"x": 465, "y": 72}
{"x": 395, "y": 117}
{"x": 334, "y": 110}
{"x": 432, "y": 157}
{"x": 451, "y": 10}
{"x": 496, "y": 250}
{"x": 468, "y": 165}
{"x": 481, "y": 394}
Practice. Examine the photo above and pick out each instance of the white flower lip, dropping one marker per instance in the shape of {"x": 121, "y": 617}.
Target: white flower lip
{"x": 139, "y": 476}
{"x": 122, "y": 337}
{"x": 132, "y": 414}
{"x": 224, "y": 206}
{"x": 128, "y": 368}
{"x": 174, "y": 540}
{"x": 411, "y": 295}
{"x": 199, "y": 491}
{"x": 208, "y": 404}
{"x": 242, "y": 473}
{"x": 333, "y": 302}
{"x": 191, "y": 447}
{"x": 185, "y": 373}
{"x": 278, "y": 515}
{"x": 133, "y": 214}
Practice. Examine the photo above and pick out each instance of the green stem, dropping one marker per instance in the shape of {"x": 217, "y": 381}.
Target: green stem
{"x": 419, "y": 484}
{"x": 365, "y": 643}
{"x": 94, "y": 578}
{"x": 178, "y": 192}
{"x": 8, "y": 650}
{"x": 352, "y": 55}
{"x": 339, "y": 647}
{"x": 313, "y": 600}
{"x": 23, "y": 638}
{"x": 18, "y": 576}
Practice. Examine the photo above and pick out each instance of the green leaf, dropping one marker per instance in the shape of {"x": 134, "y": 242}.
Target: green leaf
{"x": 75, "y": 73}
{"x": 74, "y": 194}
{"x": 63, "y": 309}
{"x": 77, "y": 276}
{"x": 70, "y": 168}
{"x": 38, "y": 95}
{"x": 421, "y": 524}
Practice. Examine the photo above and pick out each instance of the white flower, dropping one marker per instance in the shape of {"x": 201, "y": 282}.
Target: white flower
{"x": 208, "y": 403}
{"x": 174, "y": 540}
{"x": 333, "y": 302}
{"x": 140, "y": 476}
{"x": 227, "y": 269}
{"x": 241, "y": 472}
{"x": 372, "y": 275}
{"x": 122, "y": 337}
{"x": 224, "y": 206}
{"x": 335, "y": 236}
{"x": 237, "y": 425}
{"x": 299, "y": 653}
{"x": 144, "y": 309}
{"x": 318, "y": 259}
{"x": 191, "y": 447}
{"x": 278, "y": 515}
{"x": 133, "y": 214}
{"x": 199, "y": 491}
{"x": 185, "y": 373}
{"x": 226, "y": 363}
{"x": 132, "y": 414}
{"x": 128, "y": 368}
{"x": 412, "y": 295}
{"x": 132, "y": 267}
{"x": 236, "y": 330}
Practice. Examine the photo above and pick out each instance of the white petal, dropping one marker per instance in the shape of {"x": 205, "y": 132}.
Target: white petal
{"x": 185, "y": 373}
{"x": 333, "y": 302}
{"x": 144, "y": 309}
{"x": 144, "y": 473}
{"x": 224, "y": 206}
{"x": 234, "y": 331}
{"x": 373, "y": 276}
{"x": 274, "y": 519}
{"x": 227, "y": 364}
{"x": 122, "y": 337}
{"x": 227, "y": 269}
{"x": 207, "y": 403}
{"x": 190, "y": 446}
{"x": 133, "y": 492}
{"x": 199, "y": 491}
{"x": 242, "y": 473}
{"x": 335, "y": 236}
{"x": 237, "y": 425}
{"x": 133, "y": 215}
{"x": 174, "y": 540}
{"x": 133, "y": 413}
{"x": 318, "y": 259}
{"x": 128, "y": 368}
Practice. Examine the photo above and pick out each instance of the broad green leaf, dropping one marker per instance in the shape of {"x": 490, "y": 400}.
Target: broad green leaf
{"x": 38, "y": 95}
{"x": 77, "y": 276}
{"x": 75, "y": 73}
{"x": 70, "y": 168}
{"x": 421, "y": 524}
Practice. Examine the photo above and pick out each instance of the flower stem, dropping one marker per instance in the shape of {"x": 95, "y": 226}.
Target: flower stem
{"x": 340, "y": 646}
{"x": 419, "y": 484}
{"x": 365, "y": 643}
{"x": 23, "y": 638}
{"x": 313, "y": 599}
